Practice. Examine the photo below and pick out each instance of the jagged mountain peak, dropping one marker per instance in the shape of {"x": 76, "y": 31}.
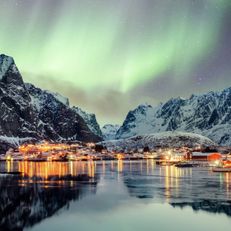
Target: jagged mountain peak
{"x": 80, "y": 110}
{"x": 144, "y": 106}
{"x": 9, "y": 73}
{"x": 90, "y": 120}
{"x": 6, "y": 60}
{"x": 141, "y": 109}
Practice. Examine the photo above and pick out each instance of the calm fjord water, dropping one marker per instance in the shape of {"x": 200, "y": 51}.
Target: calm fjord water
{"x": 123, "y": 195}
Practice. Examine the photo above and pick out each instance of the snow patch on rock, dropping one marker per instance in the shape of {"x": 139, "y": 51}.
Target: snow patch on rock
{"x": 59, "y": 97}
{"x": 109, "y": 131}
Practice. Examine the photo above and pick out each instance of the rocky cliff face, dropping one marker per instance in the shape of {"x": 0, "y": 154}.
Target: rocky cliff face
{"x": 18, "y": 117}
{"x": 208, "y": 114}
{"x": 90, "y": 120}
{"x": 27, "y": 111}
{"x": 57, "y": 121}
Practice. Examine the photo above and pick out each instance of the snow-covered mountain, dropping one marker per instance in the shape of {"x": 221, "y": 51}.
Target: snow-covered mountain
{"x": 109, "y": 131}
{"x": 90, "y": 120}
{"x": 32, "y": 113}
{"x": 161, "y": 139}
{"x": 207, "y": 114}
{"x": 57, "y": 121}
{"x": 18, "y": 117}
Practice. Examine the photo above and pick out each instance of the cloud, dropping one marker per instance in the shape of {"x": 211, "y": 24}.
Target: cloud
{"x": 109, "y": 105}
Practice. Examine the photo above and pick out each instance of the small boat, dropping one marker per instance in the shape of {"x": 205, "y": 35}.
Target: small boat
{"x": 11, "y": 173}
{"x": 224, "y": 166}
{"x": 221, "y": 169}
{"x": 186, "y": 165}
{"x": 165, "y": 163}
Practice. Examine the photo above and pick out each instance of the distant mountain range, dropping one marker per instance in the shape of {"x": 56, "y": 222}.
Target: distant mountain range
{"x": 207, "y": 114}
{"x": 30, "y": 113}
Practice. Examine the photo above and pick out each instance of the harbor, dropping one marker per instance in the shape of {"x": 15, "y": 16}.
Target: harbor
{"x": 70, "y": 152}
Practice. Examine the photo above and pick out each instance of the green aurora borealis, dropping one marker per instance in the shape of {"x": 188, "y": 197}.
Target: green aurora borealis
{"x": 103, "y": 53}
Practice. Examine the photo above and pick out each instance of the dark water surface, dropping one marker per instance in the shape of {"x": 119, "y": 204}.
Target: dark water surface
{"x": 118, "y": 196}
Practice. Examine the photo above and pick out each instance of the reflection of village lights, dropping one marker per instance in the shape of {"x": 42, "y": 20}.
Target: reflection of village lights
{"x": 167, "y": 185}
{"x": 227, "y": 183}
{"x": 91, "y": 169}
{"x": 112, "y": 165}
{"x": 48, "y": 169}
{"x": 120, "y": 165}
{"x": 9, "y": 166}
{"x": 103, "y": 167}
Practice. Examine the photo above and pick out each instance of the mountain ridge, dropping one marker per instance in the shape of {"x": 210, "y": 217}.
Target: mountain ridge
{"x": 208, "y": 114}
{"x": 36, "y": 114}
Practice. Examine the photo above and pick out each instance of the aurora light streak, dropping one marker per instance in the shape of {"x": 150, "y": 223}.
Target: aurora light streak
{"x": 117, "y": 48}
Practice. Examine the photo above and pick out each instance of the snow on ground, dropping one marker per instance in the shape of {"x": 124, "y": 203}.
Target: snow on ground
{"x": 14, "y": 140}
{"x": 163, "y": 139}
{"x": 220, "y": 133}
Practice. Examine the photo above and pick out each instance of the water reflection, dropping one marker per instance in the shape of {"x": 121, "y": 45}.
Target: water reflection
{"x": 46, "y": 169}
{"x": 46, "y": 187}
{"x": 25, "y": 200}
{"x": 212, "y": 206}
{"x": 120, "y": 165}
{"x": 198, "y": 188}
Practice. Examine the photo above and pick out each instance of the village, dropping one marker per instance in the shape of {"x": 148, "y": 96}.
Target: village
{"x": 180, "y": 157}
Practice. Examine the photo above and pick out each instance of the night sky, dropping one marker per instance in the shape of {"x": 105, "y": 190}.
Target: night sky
{"x": 108, "y": 56}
